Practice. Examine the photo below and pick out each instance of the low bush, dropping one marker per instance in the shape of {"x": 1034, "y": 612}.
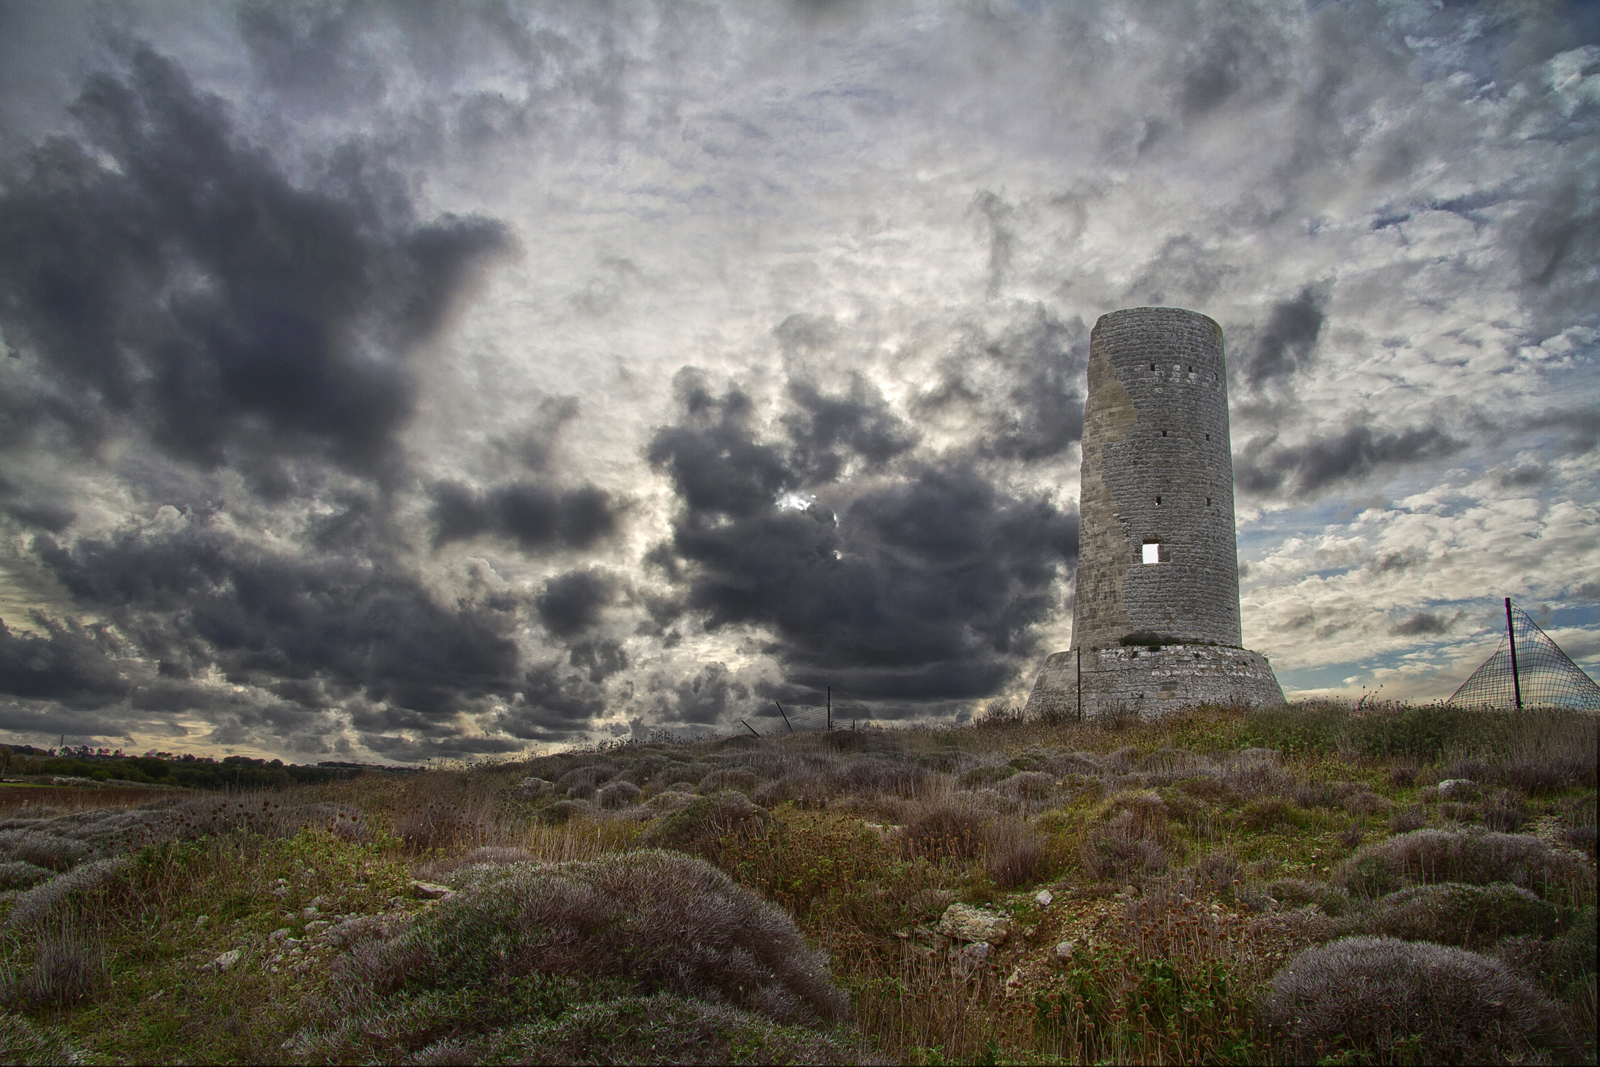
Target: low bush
{"x": 1381, "y": 1000}
{"x": 1298, "y": 892}
{"x": 20, "y": 874}
{"x": 708, "y": 824}
{"x": 618, "y": 795}
{"x": 1135, "y": 838}
{"x": 651, "y": 921}
{"x": 662, "y": 1029}
{"x": 50, "y": 898}
{"x": 564, "y": 811}
{"x": 1472, "y": 856}
{"x": 1467, "y": 916}
{"x": 737, "y": 779}
{"x": 67, "y": 967}
{"x": 43, "y": 849}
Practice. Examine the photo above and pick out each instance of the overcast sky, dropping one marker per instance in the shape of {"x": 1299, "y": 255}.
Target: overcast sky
{"x": 412, "y": 380}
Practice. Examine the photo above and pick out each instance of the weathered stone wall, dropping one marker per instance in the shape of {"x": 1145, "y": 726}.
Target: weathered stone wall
{"x": 1157, "y": 467}
{"x": 1148, "y": 681}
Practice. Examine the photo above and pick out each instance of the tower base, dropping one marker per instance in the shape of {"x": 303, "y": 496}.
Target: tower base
{"x": 1151, "y": 682}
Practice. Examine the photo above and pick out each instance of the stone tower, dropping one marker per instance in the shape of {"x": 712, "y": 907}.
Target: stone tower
{"x": 1155, "y": 615}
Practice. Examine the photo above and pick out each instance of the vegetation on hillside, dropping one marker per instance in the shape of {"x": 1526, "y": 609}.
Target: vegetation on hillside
{"x": 1307, "y": 883}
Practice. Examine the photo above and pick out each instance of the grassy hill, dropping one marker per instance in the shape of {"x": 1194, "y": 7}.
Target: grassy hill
{"x": 1307, "y": 883}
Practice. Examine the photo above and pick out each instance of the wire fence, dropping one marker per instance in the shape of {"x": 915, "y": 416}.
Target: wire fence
{"x": 1529, "y": 672}
{"x": 781, "y": 717}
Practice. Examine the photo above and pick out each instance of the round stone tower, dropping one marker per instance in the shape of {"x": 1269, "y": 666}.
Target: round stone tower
{"x": 1155, "y": 616}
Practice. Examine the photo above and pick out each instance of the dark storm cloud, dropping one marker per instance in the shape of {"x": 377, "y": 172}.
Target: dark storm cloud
{"x": 356, "y": 626}
{"x": 920, "y": 588}
{"x": 1421, "y": 624}
{"x": 714, "y": 696}
{"x": 571, "y": 602}
{"x": 157, "y": 267}
{"x": 558, "y": 704}
{"x": 1303, "y": 470}
{"x": 533, "y": 515}
{"x": 68, "y": 665}
{"x": 1037, "y": 413}
{"x": 828, "y": 430}
{"x": 1286, "y": 344}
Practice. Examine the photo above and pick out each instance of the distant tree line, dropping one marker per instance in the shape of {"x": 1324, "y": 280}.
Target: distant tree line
{"x": 164, "y": 768}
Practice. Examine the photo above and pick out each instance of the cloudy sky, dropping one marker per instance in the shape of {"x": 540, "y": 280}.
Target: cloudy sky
{"x": 412, "y": 380}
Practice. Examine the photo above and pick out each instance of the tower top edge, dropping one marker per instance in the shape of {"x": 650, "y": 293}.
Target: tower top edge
{"x": 1155, "y": 313}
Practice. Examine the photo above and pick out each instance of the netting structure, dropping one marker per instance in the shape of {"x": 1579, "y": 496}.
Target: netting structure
{"x": 1545, "y": 676}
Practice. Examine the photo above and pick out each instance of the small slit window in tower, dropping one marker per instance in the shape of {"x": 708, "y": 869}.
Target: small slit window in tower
{"x": 1158, "y": 498}
{"x": 1163, "y": 433}
{"x": 1152, "y": 552}
{"x": 1208, "y": 502}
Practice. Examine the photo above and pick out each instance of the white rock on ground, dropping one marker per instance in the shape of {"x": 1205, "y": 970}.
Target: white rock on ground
{"x": 432, "y": 890}
{"x": 966, "y": 923}
{"x": 226, "y": 960}
{"x": 1066, "y": 950}
{"x": 1044, "y": 897}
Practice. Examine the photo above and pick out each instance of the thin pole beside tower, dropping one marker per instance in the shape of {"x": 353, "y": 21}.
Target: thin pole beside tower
{"x": 1511, "y": 634}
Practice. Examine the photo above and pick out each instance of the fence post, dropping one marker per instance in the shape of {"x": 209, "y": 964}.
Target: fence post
{"x": 1511, "y": 632}
{"x": 785, "y": 717}
{"x": 830, "y": 709}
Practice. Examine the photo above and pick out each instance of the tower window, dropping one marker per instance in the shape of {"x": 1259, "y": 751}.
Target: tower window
{"x": 1208, "y": 502}
{"x": 1152, "y": 366}
{"x": 1208, "y": 437}
{"x": 1163, "y": 433}
{"x": 1152, "y": 552}
{"x": 1158, "y": 498}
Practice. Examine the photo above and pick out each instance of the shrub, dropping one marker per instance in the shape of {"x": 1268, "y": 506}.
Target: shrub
{"x": 1462, "y": 915}
{"x": 1505, "y": 811}
{"x": 707, "y": 824}
{"x": 1013, "y": 855}
{"x": 1298, "y": 892}
{"x": 1473, "y": 856}
{"x": 948, "y": 830}
{"x": 1028, "y": 785}
{"x": 655, "y": 921}
{"x": 43, "y": 849}
{"x": 67, "y": 968}
{"x": 531, "y": 789}
{"x": 1133, "y": 841}
{"x": 977, "y": 777}
{"x": 20, "y": 874}
{"x": 1273, "y": 815}
{"x": 1407, "y": 819}
{"x": 50, "y": 897}
{"x": 619, "y": 795}
{"x": 663, "y": 1029}
{"x": 735, "y": 778}
{"x": 585, "y": 779}
{"x": 1389, "y": 1000}
{"x": 564, "y": 811}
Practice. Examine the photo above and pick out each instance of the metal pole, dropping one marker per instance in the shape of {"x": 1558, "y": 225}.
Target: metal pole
{"x": 1080, "y": 685}
{"x": 1511, "y": 633}
{"x": 830, "y": 708}
{"x": 785, "y": 717}
{"x": 747, "y": 726}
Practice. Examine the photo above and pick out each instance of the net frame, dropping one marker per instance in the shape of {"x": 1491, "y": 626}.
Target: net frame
{"x": 1547, "y": 676}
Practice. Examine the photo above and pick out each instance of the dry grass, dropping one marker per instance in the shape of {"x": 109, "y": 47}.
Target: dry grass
{"x": 1189, "y": 859}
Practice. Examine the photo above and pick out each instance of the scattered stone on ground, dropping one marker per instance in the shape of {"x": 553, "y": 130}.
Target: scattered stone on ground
{"x": 962, "y": 922}
{"x": 1044, "y": 897}
{"x": 431, "y": 890}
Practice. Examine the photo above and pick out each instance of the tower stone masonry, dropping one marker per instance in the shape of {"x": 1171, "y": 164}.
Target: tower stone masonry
{"x": 1155, "y": 612}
